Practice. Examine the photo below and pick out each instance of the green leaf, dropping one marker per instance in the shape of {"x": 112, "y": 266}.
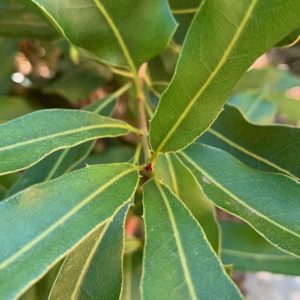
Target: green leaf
{"x": 79, "y": 277}
{"x": 177, "y": 254}
{"x": 3, "y": 192}
{"x": 121, "y": 32}
{"x": 248, "y": 251}
{"x": 268, "y": 148}
{"x": 170, "y": 170}
{"x": 26, "y": 140}
{"x": 18, "y": 21}
{"x": 183, "y": 12}
{"x": 14, "y": 107}
{"x": 223, "y": 39}
{"x": 60, "y": 212}
{"x": 52, "y": 166}
{"x": 255, "y": 107}
{"x": 132, "y": 271}
{"x": 268, "y": 202}
{"x": 65, "y": 160}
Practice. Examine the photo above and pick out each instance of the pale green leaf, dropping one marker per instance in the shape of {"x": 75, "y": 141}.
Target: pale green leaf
{"x": 179, "y": 179}
{"x": 248, "y": 251}
{"x": 177, "y": 254}
{"x": 121, "y": 32}
{"x": 269, "y": 148}
{"x": 255, "y": 107}
{"x": 223, "y": 41}
{"x": 41, "y": 224}
{"x": 26, "y": 140}
{"x": 94, "y": 269}
{"x": 268, "y": 202}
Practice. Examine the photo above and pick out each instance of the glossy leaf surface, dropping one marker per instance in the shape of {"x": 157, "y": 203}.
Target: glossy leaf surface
{"x": 222, "y": 40}
{"x": 94, "y": 269}
{"x": 121, "y": 34}
{"x": 248, "y": 251}
{"x": 177, "y": 253}
{"x": 268, "y": 202}
{"x": 269, "y": 148}
{"x": 41, "y": 224}
{"x": 26, "y": 140}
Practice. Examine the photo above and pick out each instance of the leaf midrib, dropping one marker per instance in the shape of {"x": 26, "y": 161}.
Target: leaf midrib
{"x": 88, "y": 261}
{"x": 28, "y": 246}
{"x": 211, "y": 77}
{"x": 179, "y": 245}
{"x": 60, "y": 134}
{"x": 118, "y": 36}
{"x": 260, "y": 256}
{"x": 251, "y": 154}
{"x": 236, "y": 198}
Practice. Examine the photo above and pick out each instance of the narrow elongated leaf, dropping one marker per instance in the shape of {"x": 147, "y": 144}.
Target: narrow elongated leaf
{"x": 268, "y": 202}
{"x": 65, "y": 160}
{"x": 177, "y": 254}
{"x": 248, "y": 251}
{"x": 41, "y": 224}
{"x": 26, "y": 140}
{"x": 225, "y": 37}
{"x": 269, "y": 148}
{"x": 170, "y": 170}
{"x": 94, "y": 269}
{"x": 121, "y": 33}
{"x": 18, "y": 21}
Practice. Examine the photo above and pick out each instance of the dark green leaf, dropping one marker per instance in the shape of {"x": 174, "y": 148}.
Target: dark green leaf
{"x": 184, "y": 12}
{"x": 248, "y": 251}
{"x": 222, "y": 43}
{"x": 41, "y": 224}
{"x": 177, "y": 254}
{"x": 121, "y": 32}
{"x": 268, "y": 202}
{"x": 268, "y": 148}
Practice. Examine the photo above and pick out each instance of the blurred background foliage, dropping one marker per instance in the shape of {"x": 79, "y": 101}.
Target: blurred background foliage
{"x": 39, "y": 70}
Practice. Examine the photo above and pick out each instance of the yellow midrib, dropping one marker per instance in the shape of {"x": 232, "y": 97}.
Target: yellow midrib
{"x": 59, "y": 134}
{"x": 61, "y": 220}
{"x": 179, "y": 245}
{"x": 251, "y": 154}
{"x": 88, "y": 261}
{"x": 233, "y": 196}
{"x": 213, "y": 74}
{"x": 254, "y": 255}
{"x": 119, "y": 38}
